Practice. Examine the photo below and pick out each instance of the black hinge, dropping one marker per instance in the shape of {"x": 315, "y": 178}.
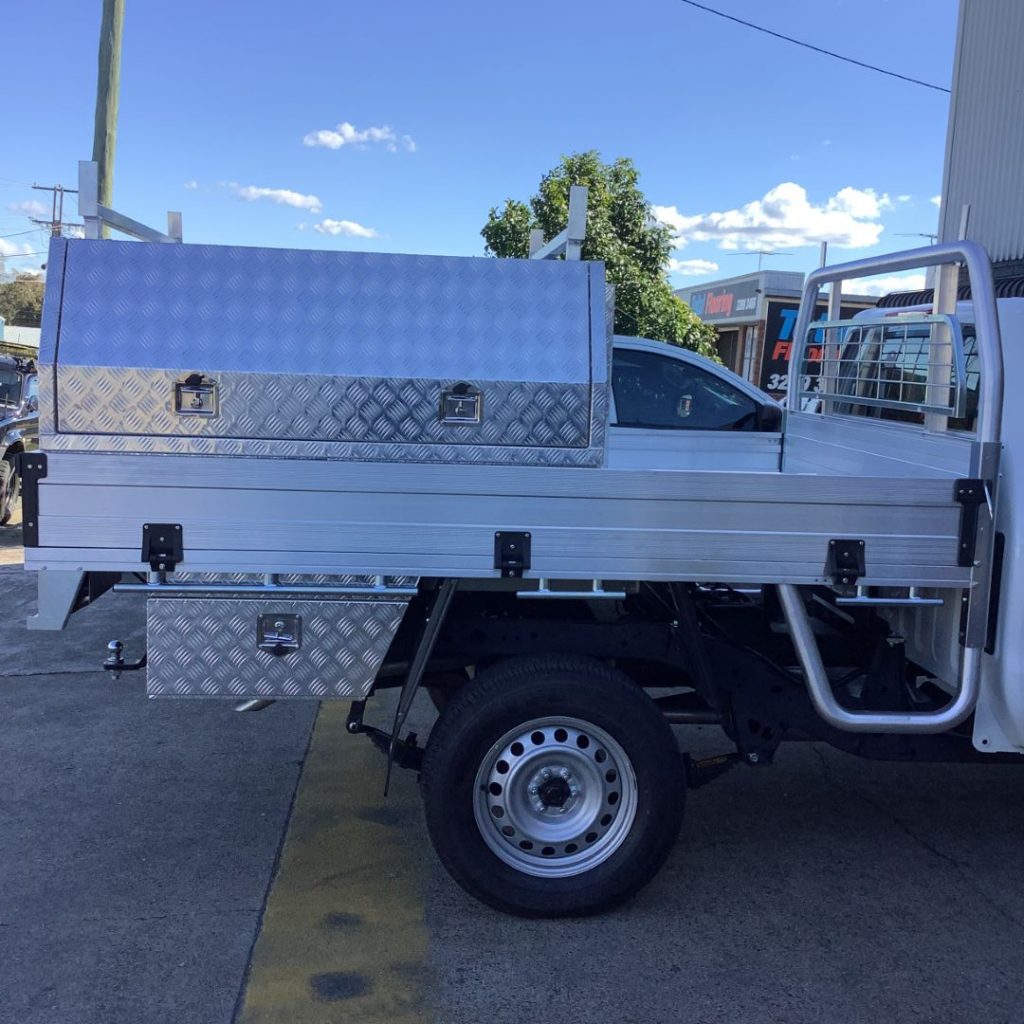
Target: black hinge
{"x": 845, "y": 562}
{"x": 970, "y": 494}
{"x": 511, "y": 553}
{"x": 162, "y": 546}
{"x": 31, "y": 468}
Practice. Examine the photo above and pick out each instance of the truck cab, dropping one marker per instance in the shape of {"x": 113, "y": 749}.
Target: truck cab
{"x": 883, "y": 367}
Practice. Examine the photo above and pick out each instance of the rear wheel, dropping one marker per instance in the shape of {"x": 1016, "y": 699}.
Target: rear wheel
{"x": 553, "y": 787}
{"x": 9, "y": 488}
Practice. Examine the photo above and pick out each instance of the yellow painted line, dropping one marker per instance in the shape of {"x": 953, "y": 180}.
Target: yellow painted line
{"x": 343, "y": 937}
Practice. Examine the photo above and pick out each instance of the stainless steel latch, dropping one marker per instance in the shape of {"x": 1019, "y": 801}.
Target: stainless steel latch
{"x": 462, "y": 403}
{"x": 279, "y": 633}
{"x": 196, "y": 395}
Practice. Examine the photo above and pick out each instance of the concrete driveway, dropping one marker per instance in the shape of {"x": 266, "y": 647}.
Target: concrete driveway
{"x": 178, "y": 862}
{"x": 10, "y": 540}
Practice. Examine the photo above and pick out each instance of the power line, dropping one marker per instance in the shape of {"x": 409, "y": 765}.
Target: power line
{"x": 20, "y": 255}
{"x": 816, "y": 49}
{"x": 31, "y": 231}
{"x": 56, "y": 222}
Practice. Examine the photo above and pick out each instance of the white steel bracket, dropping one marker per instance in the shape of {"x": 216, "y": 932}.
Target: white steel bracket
{"x": 96, "y": 215}
{"x": 569, "y": 240}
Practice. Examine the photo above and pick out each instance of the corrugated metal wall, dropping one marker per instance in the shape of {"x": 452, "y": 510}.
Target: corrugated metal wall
{"x": 985, "y": 144}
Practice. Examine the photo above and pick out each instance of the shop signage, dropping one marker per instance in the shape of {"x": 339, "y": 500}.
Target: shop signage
{"x": 780, "y": 321}
{"x": 727, "y": 302}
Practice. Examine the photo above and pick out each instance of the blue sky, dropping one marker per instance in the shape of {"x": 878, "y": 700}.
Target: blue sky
{"x": 455, "y": 106}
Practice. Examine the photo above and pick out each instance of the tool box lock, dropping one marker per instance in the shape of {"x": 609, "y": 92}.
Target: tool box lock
{"x": 279, "y": 633}
{"x": 196, "y": 395}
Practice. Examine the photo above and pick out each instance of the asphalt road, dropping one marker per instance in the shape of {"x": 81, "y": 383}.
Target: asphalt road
{"x": 148, "y": 873}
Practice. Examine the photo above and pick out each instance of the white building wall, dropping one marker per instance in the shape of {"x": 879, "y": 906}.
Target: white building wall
{"x": 985, "y": 141}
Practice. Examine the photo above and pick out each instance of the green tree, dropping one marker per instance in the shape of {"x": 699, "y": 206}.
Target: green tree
{"x": 21, "y": 301}
{"x": 621, "y": 231}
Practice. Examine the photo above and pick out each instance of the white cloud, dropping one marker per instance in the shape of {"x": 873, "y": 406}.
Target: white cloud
{"x": 191, "y": 184}
{"x": 346, "y": 134}
{"x": 862, "y": 204}
{"x": 30, "y": 207}
{"x": 692, "y": 268}
{"x": 905, "y": 198}
{"x": 282, "y": 196}
{"x": 785, "y": 217}
{"x": 344, "y": 227}
{"x": 884, "y": 285}
{"x": 9, "y": 249}
{"x": 936, "y": 200}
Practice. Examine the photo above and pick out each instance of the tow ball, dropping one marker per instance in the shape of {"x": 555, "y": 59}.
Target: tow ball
{"x": 116, "y": 664}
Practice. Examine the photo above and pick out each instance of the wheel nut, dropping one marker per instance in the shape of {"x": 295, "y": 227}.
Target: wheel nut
{"x": 574, "y": 791}
{"x": 546, "y": 774}
{"x": 533, "y": 789}
{"x": 564, "y": 772}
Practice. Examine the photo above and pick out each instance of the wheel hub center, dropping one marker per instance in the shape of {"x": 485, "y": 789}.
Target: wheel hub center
{"x": 553, "y": 789}
{"x": 554, "y": 792}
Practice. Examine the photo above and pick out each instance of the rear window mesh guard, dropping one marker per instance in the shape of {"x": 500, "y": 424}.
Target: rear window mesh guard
{"x": 914, "y": 364}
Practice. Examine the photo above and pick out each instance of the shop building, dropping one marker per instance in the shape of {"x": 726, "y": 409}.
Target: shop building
{"x": 754, "y": 316}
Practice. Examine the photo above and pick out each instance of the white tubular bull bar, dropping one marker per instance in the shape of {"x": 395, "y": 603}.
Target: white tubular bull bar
{"x": 989, "y": 426}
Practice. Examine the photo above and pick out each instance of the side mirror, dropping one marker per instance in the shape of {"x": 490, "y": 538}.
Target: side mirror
{"x": 769, "y": 419}
{"x": 32, "y": 403}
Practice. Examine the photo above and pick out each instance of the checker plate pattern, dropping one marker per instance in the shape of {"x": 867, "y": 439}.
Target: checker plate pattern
{"x": 376, "y": 337}
{"x": 286, "y": 579}
{"x": 297, "y": 407}
{"x": 207, "y": 648}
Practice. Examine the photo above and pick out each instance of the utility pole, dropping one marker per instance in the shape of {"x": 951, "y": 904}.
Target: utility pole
{"x": 107, "y": 91}
{"x": 55, "y": 225}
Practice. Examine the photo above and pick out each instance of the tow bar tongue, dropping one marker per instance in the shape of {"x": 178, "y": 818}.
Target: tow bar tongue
{"x": 115, "y": 662}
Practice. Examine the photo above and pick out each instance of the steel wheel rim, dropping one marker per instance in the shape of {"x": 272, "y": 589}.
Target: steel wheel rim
{"x": 555, "y": 797}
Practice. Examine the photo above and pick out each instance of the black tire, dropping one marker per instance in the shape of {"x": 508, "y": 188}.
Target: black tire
{"x": 442, "y": 688}
{"x": 554, "y": 688}
{"x": 9, "y": 489}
